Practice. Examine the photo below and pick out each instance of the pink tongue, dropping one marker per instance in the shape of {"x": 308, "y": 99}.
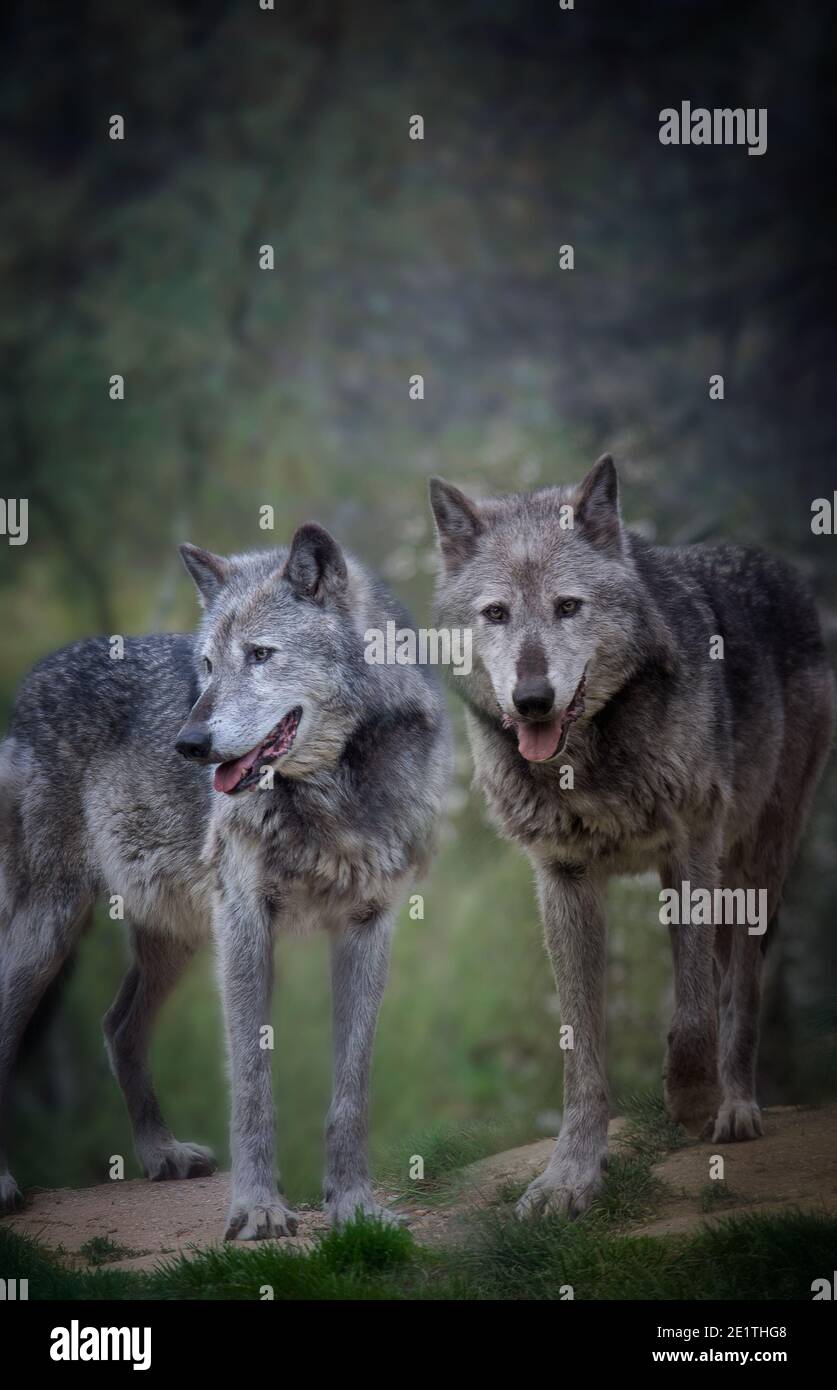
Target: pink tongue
{"x": 537, "y": 742}
{"x": 228, "y": 775}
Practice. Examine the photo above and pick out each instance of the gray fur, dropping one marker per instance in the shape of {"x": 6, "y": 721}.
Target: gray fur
{"x": 701, "y": 769}
{"x": 95, "y": 800}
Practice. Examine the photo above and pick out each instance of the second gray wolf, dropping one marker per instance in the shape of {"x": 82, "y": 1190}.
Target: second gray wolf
{"x": 329, "y": 774}
{"x": 613, "y": 733}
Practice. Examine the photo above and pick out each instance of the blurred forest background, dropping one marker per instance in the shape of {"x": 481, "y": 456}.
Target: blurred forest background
{"x": 245, "y": 386}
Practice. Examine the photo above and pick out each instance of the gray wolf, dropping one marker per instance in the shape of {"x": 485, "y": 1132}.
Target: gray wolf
{"x": 609, "y": 738}
{"x": 329, "y": 773}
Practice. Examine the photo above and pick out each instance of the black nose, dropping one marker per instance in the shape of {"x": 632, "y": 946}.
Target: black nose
{"x": 534, "y": 698}
{"x": 194, "y": 742}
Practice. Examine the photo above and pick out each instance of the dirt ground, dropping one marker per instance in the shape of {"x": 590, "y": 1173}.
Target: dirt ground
{"x": 793, "y": 1166}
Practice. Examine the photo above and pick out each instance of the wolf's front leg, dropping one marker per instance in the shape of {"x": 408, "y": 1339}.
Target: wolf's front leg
{"x": 576, "y": 938}
{"x": 359, "y": 964}
{"x": 245, "y": 945}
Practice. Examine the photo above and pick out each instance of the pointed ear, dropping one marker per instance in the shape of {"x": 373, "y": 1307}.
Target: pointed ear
{"x": 458, "y": 523}
{"x": 597, "y": 507}
{"x": 210, "y": 572}
{"x": 315, "y": 565}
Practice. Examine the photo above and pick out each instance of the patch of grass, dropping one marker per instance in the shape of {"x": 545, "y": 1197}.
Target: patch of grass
{"x": 444, "y": 1151}
{"x": 631, "y": 1192}
{"x": 751, "y": 1257}
{"x": 367, "y": 1260}
{"x": 714, "y": 1195}
{"x": 367, "y": 1248}
{"x": 650, "y": 1132}
{"x": 23, "y": 1258}
{"x": 101, "y": 1250}
{"x": 511, "y": 1192}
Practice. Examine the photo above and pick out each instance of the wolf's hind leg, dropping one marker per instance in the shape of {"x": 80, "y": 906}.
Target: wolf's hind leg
{"x": 739, "y": 1116}
{"x": 691, "y": 1081}
{"x": 159, "y": 961}
{"x": 34, "y": 945}
{"x": 359, "y": 965}
{"x": 761, "y": 865}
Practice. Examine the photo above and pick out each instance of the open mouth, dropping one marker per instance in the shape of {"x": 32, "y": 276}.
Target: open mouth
{"x": 244, "y": 772}
{"x": 542, "y": 740}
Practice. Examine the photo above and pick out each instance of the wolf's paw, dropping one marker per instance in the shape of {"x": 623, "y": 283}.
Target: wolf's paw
{"x": 175, "y": 1160}
{"x": 736, "y": 1120}
{"x": 11, "y": 1197}
{"x": 693, "y": 1106}
{"x": 344, "y": 1207}
{"x": 567, "y": 1190}
{"x": 260, "y": 1220}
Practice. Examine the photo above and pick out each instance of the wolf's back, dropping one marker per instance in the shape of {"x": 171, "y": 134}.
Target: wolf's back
{"x": 759, "y": 603}
{"x": 772, "y": 677}
{"x": 75, "y": 706}
{"x": 94, "y": 694}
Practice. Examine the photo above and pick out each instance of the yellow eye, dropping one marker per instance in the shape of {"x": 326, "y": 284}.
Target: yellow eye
{"x": 567, "y": 606}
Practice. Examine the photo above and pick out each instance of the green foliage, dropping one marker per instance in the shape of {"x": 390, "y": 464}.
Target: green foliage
{"x": 771, "y": 1258}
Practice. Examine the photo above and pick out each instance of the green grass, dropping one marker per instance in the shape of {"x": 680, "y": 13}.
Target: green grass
{"x": 101, "y": 1250}
{"x": 444, "y": 1151}
{"x": 22, "y": 1258}
{"x": 714, "y": 1195}
{"x": 650, "y": 1131}
{"x": 750, "y": 1257}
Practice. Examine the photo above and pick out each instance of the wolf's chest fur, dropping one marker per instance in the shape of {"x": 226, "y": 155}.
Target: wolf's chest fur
{"x": 315, "y": 854}
{"x": 622, "y": 820}
{"x": 325, "y": 846}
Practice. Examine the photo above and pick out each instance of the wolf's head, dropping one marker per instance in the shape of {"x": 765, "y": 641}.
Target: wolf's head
{"x": 547, "y": 583}
{"x": 279, "y": 660}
